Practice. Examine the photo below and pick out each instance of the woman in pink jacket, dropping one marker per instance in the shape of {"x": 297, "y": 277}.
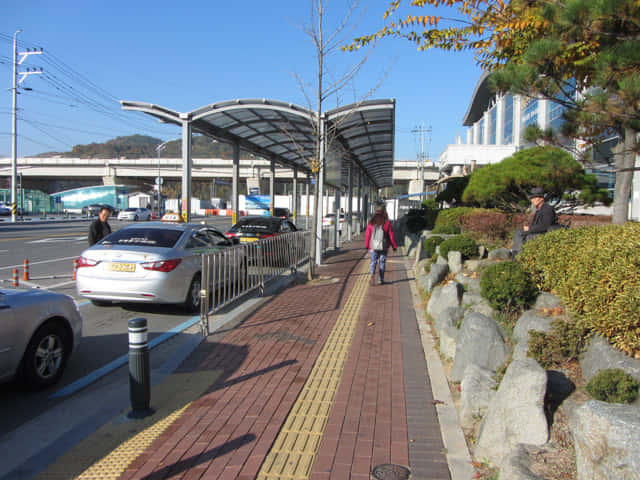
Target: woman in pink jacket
{"x": 377, "y": 238}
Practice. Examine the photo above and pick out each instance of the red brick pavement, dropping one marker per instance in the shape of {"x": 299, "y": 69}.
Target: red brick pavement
{"x": 266, "y": 359}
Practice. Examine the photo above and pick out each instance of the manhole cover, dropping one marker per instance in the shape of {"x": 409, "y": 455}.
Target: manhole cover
{"x": 389, "y": 471}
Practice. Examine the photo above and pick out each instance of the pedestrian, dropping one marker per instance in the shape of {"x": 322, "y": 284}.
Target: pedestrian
{"x": 100, "y": 228}
{"x": 544, "y": 218}
{"x": 377, "y": 239}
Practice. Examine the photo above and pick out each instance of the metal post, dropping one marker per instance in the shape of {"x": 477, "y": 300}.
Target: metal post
{"x": 139, "y": 378}
{"x": 159, "y": 148}
{"x": 14, "y": 127}
{"x": 186, "y": 170}
{"x": 350, "y": 204}
{"x": 272, "y": 193}
{"x": 295, "y": 195}
{"x": 336, "y": 231}
{"x": 234, "y": 182}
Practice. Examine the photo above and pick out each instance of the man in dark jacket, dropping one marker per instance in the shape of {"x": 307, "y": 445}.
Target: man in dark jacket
{"x": 99, "y": 228}
{"x": 543, "y": 219}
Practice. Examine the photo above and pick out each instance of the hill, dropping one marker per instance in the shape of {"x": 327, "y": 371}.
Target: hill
{"x": 143, "y": 146}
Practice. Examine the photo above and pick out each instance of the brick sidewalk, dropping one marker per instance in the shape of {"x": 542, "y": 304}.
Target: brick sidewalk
{"x": 383, "y": 410}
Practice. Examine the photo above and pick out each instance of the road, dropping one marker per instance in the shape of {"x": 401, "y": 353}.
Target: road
{"x": 50, "y": 249}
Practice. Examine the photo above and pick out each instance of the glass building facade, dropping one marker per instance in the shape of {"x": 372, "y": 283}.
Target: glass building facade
{"x": 507, "y": 137}
{"x": 29, "y": 201}
{"x": 73, "y": 200}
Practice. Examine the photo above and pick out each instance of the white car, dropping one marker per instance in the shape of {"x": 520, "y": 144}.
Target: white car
{"x": 134, "y": 214}
{"x": 158, "y": 262}
{"x": 39, "y": 330}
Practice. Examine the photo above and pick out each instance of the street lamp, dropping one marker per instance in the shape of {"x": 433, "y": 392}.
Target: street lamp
{"x": 159, "y": 148}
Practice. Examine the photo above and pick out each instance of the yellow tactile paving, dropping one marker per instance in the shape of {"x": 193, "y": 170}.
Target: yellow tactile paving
{"x": 297, "y": 444}
{"x": 114, "y": 464}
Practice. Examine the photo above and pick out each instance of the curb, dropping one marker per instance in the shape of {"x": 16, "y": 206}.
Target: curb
{"x": 457, "y": 452}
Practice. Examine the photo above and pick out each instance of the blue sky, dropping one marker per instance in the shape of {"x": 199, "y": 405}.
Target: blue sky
{"x": 183, "y": 55}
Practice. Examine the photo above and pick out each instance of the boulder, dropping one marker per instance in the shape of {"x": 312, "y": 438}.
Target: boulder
{"x": 445, "y": 326}
{"x": 516, "y": 414}
{"x": 482, "y": 307}
{"x": 480, "y": 341}
{"x": 482, "y": 251}
{"x": 607, "y": 440}
{"x": 546, "y": 300}
{"x": 499, "y": 254}
{"x": 472, "y": 265}
{"x": 600, "y": 355}
{"x": 441, "y": 260}
{"x": 471, "y": 284}
{"x": 530, "y": 320}
{"x": 454, "y": 259}
{"x": 516, "y": 465}
{"x": 419, "y": 269}
{"x": 476, "y": 392}
{"x": 471, "y": 298}
{"x": 443, "y": 297}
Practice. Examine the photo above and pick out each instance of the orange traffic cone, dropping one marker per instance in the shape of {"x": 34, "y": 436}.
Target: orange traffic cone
{"x": 16, "y": 282}
{"x": 25, "y": 274}
{"x": 75, "y": 268}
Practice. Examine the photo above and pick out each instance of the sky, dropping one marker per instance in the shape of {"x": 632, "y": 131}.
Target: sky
{"x": 184, "y": 55}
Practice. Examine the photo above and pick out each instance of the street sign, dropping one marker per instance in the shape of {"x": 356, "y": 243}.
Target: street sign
{"x": 254, "y": 191}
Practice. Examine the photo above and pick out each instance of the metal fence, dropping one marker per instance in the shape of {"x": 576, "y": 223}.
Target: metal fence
{"x": 232, "y": 273}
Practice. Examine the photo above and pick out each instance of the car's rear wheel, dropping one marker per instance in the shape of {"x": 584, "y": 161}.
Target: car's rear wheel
{"x": 101, "y": 303}
{"x": 46, "y": 356}
{"x": 192, "y": 302}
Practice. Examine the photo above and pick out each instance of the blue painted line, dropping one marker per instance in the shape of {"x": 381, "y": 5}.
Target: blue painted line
{"x": 82, "y": 304}
{"x": 118, "y": 362}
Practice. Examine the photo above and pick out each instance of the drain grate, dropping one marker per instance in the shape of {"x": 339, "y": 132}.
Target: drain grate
{"x": 389, "y": 471}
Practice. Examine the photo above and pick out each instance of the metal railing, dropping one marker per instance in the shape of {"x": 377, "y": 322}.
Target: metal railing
{"x": 231, "y": 273}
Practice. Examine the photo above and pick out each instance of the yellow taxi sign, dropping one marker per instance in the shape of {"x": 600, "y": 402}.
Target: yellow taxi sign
{"x": 172, "y": 217}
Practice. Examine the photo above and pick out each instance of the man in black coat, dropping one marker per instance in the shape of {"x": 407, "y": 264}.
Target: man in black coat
{"x": 99, "y": 228}
{"x": 543, "y": 219}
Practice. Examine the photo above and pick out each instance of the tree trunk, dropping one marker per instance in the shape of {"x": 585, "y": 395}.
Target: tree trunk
{"x": 314, "y": 231}
{"x": 624, "y": 160}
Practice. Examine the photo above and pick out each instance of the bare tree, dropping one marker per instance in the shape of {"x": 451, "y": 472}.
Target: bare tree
{"x": 325, "y": 44}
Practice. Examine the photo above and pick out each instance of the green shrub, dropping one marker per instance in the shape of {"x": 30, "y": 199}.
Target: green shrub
{"x": 506, "y": 286}
{"x": 416, "y": 224}
{"x": 595, "y": 270}
{"x": 614, "y": 386}
{"x": 460, "y": 243}
{"x": 448, "y": 220}
{"x": 419, "y": 219}
{"x": 563, "y": 343}
{"x": 429, "y": 245}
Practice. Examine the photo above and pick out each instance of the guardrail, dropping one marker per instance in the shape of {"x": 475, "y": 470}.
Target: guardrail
{"x": 231, "y": 273}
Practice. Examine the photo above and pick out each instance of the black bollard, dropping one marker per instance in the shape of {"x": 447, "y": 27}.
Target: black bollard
{"x": 139, "y": 378}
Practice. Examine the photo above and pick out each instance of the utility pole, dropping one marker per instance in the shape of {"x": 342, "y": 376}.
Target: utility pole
{"x": 422, "y": 130}
{"x": 14, "y": 117}
{"x": 159, "y": 149}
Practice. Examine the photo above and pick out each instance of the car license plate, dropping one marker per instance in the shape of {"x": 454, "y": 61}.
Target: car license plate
{"x": 122, "y": 267}
{"x": 249, "y": 239}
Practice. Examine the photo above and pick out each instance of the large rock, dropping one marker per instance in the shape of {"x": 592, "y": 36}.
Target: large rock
{"x": 516, "y": 414}
{"x": 529, "y": 320}
{"x": 471, "y": 284}
{"x": 441, "y": 260}
{"x": 482, "y": 307}
{"x": 499, "y": 254}
{"x": 445, "y": 325}
{"x": 600, "y": 355}
{"x": 419, "y": 269}
{"x": 607, "y": 441}
{"x": 476, "y": 392}
{"x": 455, "y": 261}
{"x": 546, "y": 300}
{"x": 444, "y": 297}
{"x": 437, "y": 274}
{"x": 480, "y": 341}
{"x": 516, "y": 465}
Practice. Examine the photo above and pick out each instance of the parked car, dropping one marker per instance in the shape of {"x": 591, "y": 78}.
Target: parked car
{"x": 91, "y": 210}
{"x": 252, "y": 228}
{"x": 5, "y": 211}
{"x": 134, "y": 214}
{"x": 282, "y": 213}
{"x": 330, "y": 220}
{"x": 159, "y": 262}
{"x": 39, "y": 330}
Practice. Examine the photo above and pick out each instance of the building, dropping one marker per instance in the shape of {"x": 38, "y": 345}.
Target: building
{"x": 73, "y": 200}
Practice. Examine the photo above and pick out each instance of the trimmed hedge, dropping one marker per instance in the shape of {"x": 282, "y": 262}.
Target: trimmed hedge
{"x": 614, "y": 386}
{"x": 429, "y": 245}
{"x": 596, "y": 272}
{"x": 448, "y": 220}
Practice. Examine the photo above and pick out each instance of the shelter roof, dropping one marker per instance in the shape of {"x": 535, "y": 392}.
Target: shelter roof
{"x": 285, "y": 132}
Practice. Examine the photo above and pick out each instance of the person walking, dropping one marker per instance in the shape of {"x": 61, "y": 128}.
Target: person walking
{"x": 377, "y": 239}
{"x": 100, "y": 228}
{"x": 544, "y": 218}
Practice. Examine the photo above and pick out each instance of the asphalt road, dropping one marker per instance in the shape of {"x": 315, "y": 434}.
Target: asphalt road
{"x": 50, "y": 249}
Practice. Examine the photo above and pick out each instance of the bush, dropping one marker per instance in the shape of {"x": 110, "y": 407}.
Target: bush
{"x": 564, "y": 343}
{"x": 614, "y": 386}
{"x": 447, "y": 222}
{"x": 430, "y": 243}
{"x": 487, "y": 226}
{"x": 419, "y": 219}
{"x": 460, "y": 243}
{"x": 595, "y": 270}
{"x": 506, "y": 286}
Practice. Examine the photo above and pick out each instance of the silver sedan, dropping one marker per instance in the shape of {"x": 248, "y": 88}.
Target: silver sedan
{"x": 154, "y": 263}
{"x": 134, "y": 214}
{"x": 38, "y": 332}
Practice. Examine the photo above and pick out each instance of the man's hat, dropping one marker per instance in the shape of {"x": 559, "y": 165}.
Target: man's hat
{"x": 536, "y": 192}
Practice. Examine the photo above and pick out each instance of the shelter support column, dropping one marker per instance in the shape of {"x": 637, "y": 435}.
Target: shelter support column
{"x": 320, "y": 208}
{"x": 272, "y": 178}
{"x": 336, "y": 231}
{"x": 294, "y": 205}
{"x": 234, "y": 182}
{"x": 360, "y": 202}
{"x": 186, "y": 171}
{"x": 349, "y": 215}
{"x": 307, "y": 206}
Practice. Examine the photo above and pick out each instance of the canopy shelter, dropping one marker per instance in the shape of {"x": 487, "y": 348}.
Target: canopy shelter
{"x": 358, "y": 139}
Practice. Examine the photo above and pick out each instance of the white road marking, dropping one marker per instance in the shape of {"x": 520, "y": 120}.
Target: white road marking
{"x": 58, "y": 239}
{"x": 41, "y": 262}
